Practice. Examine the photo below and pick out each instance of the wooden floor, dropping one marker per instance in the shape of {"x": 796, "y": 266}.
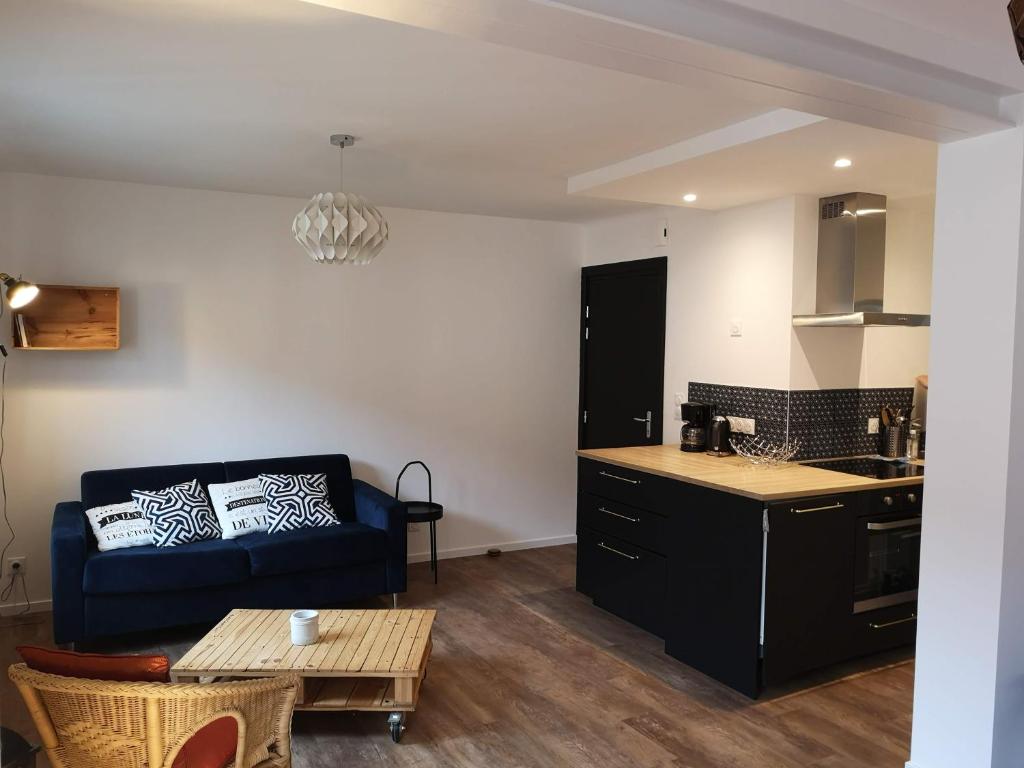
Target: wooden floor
{"x": 526, "y": 672}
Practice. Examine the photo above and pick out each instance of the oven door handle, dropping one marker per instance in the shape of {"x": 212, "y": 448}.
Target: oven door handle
{"x": 913, "y": 522}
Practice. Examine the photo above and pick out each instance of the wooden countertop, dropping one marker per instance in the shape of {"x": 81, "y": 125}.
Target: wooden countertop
{"x": 733, "y": 474}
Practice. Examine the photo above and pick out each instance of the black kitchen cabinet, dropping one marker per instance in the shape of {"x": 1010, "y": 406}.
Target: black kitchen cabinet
{"x": 809, "y": 571}
{"x": 748, "y": 592}
{"x": 714, "y": 590}
{"x": 627, "y": 580}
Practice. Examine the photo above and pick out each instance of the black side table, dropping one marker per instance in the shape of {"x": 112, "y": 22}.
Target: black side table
{"x": 423, "y": 512}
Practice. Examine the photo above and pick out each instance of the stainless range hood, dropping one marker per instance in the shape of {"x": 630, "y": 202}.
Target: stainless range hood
{"x": 851, "y": 265}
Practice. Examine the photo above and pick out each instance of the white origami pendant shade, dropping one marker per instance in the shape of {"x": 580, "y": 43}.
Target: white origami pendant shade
{"x": 339, "y": 227}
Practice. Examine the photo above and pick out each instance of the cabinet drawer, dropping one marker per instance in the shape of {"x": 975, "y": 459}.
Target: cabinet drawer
{"x": 884, "y": 629}
{"x": 631, "y": 524}
{"x": 637, "y": 489}
{"x": 625, "y": 579}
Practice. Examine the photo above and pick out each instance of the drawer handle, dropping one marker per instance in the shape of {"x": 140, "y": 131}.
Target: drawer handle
{"x": 617, "y": 477}
{"x": 913, "y": 522}
{"x": 911, "y": 617}
{"x": 602, "y": 545}
{"x": 837, "y": 505}
{"x": 616, "y": 514}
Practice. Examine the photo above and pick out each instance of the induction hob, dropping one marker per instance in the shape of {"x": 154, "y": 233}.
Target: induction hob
{"x": 870, "y": 466}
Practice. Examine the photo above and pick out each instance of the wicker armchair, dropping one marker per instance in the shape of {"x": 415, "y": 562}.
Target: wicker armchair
{"x": 101, "y": 724}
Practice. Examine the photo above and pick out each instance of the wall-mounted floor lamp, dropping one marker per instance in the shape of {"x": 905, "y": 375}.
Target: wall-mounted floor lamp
{"x": 19, "y": 292}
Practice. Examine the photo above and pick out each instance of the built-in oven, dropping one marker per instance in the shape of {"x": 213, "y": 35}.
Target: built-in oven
{"x": 888, "y": 552}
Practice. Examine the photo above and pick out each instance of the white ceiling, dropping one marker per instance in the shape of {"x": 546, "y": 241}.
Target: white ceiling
{"x": 797, "y": 161}
{"x": 242, "y": 95}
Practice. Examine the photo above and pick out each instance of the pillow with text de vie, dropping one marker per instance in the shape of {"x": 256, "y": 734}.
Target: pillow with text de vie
{"x": 240, "y": 507}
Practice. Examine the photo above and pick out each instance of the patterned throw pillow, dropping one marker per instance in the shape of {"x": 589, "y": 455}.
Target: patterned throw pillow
{"x": 240, "y": 507}
{"x": 119, "y": 525}
{"x": 297, "y": 501}
{"x": 178, "y": 514}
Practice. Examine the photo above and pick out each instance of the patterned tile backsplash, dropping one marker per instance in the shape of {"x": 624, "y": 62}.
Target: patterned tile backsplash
{"x": 827, "y": 422}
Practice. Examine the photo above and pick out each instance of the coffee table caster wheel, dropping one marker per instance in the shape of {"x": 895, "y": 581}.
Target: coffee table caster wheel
{"x": 396, "y": 724}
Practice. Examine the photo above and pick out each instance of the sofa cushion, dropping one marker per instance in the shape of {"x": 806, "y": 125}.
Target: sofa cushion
{"x": 113, "y": 486}
{"x": 212, "y": 746}
{"x": 310, "y": 549}
{"x": 335, "y": 466}
{"x": 165, "y": 569}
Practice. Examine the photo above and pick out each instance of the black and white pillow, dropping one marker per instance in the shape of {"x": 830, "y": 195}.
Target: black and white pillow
{"x": 117, "y": 526}
{"x": 240, "y": 507}
{"x": 179, "y": 514}
{"x": 297, "y": 501}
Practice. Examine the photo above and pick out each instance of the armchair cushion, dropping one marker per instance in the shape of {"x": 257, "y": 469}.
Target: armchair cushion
{"x": 212, "y": 746}
{"x": 166, "y": 569}
{"x": 96, "y": 666}
{"x": 311, "y": 549}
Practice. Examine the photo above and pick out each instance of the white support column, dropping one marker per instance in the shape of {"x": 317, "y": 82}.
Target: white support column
{"x": 969, "y": 691}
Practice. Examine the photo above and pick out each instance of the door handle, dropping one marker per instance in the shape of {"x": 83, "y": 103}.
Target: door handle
{"x": 602, "y": 545}
{"x": 838, "y": 505}
{"x": 911, "y": 617}
{"x": 914, "y": 522}
{"x": 616, "y": 514}
{"x": 647, "y": 420}
{"x": 617, "y": 477}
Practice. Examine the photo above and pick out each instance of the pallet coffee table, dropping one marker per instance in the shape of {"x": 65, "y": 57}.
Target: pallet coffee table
{"x": 366, "y": 660}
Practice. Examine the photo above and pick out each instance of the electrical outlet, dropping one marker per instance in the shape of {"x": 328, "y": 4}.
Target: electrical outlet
{"x": 14, "y": 564}
{"x": 742, "y": 426}
{"x": 872, "y": 426}
{"x": 680, "y": 399}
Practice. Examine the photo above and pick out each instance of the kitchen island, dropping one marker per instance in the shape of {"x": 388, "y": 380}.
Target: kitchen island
{"x": 751, "y": 574}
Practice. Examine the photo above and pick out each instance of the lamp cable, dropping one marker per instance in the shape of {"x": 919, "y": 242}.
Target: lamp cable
{"x": 9, "y": 589}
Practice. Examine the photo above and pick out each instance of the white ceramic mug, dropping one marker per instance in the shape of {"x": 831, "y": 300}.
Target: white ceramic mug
{"x": 305, "y": 627}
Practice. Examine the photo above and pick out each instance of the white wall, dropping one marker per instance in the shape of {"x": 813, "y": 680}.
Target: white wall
{"x": 721, "y": 265}
{"x": 839, "y": 358}
{"x": 968, "y": 700}
{"x": 757, "y": 263}
{"x": 235, "y": 345}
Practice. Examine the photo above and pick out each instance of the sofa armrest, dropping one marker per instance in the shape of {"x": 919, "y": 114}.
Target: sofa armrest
{"x": 69, "y": 548}
{"x": 379, "y": 510}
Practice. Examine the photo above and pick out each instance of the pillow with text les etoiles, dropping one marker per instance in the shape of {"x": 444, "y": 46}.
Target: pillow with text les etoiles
{"x": 117, "y": 526}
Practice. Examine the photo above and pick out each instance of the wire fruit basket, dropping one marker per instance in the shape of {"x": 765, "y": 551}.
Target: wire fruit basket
{"x": 762, "y": 452}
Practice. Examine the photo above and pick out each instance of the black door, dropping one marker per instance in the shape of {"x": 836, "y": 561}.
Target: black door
{"x": 622, "y": 354}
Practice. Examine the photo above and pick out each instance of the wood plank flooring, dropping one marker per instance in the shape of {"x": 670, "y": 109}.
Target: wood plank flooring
{"x": 526, "y": 672}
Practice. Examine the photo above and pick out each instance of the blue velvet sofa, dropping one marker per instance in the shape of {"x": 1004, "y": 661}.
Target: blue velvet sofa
{"x": 97, "y": 594}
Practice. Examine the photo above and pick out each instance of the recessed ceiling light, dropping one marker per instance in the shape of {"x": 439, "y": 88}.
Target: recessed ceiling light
{"x": 843, "y": 162}
{"x": 689, "y": 198}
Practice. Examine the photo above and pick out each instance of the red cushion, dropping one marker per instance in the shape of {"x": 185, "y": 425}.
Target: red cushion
{"x": 97, "y": 666}
{"x": 212, "y": 746}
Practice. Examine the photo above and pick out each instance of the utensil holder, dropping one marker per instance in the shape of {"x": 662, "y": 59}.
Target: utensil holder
{"x": 305, "y": 626}
{"x": 893, "y": 442}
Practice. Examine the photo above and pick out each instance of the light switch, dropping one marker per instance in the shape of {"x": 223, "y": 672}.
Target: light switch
{"x": 736, "y": 327}
{"x": 872, "y": 426}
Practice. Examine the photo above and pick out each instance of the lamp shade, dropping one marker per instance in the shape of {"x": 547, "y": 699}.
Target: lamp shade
{"x": 19, "y": 292}
{"x": 339, "y": 227}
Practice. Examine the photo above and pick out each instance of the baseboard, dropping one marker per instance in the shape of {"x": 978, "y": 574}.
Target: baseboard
{"x": 507, "y": 546}
{"x": 12, "y": 609}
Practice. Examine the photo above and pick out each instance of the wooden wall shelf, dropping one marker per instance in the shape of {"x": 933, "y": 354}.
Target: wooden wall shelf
{"x": 71, "y": 318}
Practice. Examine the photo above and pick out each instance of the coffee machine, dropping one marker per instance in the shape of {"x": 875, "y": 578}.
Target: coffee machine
{"x": 693, "y": 435}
